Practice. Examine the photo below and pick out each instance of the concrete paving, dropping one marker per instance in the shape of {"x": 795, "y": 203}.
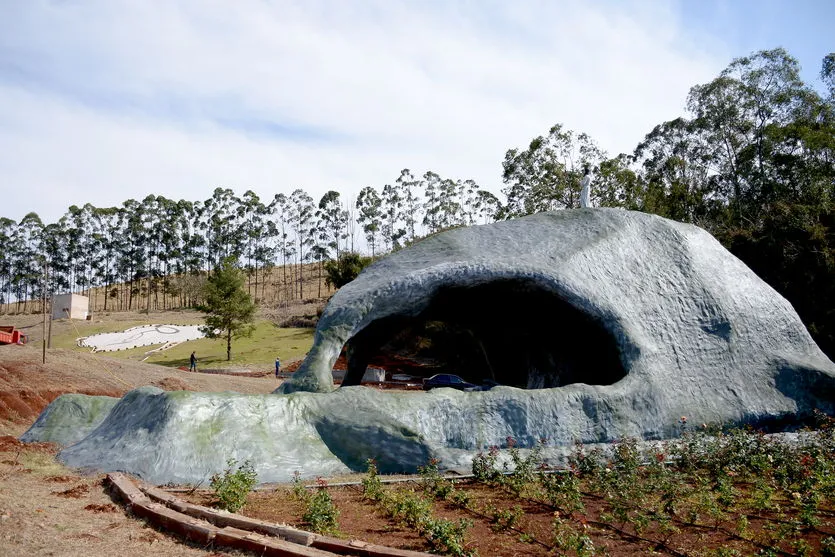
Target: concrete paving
{"x": 145, "y": 335}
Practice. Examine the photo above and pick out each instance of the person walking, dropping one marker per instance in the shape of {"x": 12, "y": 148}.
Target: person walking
{"x": 192, "y": 362}
{"x": 585, "y": 188}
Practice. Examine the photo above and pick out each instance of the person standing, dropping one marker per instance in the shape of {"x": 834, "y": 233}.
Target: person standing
{"x": 585, "y": 188}
{"x": 277, "y": 367}
{"x": 192, "y": 362}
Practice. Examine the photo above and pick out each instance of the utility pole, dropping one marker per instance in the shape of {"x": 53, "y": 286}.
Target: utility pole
{"x": 43, "y": 308}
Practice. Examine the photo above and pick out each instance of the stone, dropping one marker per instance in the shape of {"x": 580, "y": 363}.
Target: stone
{"x": 69, "y": 418}
{"x": 629, "y": 320}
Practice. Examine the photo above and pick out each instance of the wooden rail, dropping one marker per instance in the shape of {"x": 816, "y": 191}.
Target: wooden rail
{"x": 206, "y": 526}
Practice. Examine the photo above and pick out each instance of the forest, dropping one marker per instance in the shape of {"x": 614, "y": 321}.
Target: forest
{"x": 751, "y": 160}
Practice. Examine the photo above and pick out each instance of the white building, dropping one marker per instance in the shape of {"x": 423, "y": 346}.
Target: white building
{"x": 73, "y": 306}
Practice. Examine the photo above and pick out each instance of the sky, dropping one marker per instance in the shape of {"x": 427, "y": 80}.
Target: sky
{"x": 107, "y": 100}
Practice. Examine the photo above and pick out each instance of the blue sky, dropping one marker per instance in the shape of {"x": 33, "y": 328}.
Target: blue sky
{"x": 106, "y": 100}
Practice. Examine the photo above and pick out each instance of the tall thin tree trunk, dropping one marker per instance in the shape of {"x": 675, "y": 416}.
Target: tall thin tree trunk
{"x": 228, "y": 344}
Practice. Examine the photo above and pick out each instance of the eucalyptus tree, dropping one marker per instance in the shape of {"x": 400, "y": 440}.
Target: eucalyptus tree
{"x": 392, "y": 217}
{"x": 258, "y": 248}
{"x": 432, "y": 201}
{"x": 677, "y": 173}
{"x": 74, "y": 227}
{"x": 188, "y": 261}
{"x": 370, "y": 216}
{"x": 487, "y": 207}
{"x": 449, "y": 209}
{"x": 133, "y": 261}
{"x": 193, "y": 241}
{"x": 467, "y": 196}
{"x": 54, "y": 250}
{"x": 303, "y": 224}
{"x": 546, "y": 175}
{"x": 827, "y": 75}
{"x": 618, "y": 184}
{"x": 224, "y": 231}
{"x": 409, "y": 191}
{"x": 350, "y": 226}
{"x": 280, "y": 210}
{"x": 108, "y": 234}
{"x": 7, "y": 230}
{"x": 169, "y": 229}
{"x": 28, "y": 259}
{"x": 333, "y": 218}
{"x": 154, "y": 225}
{"x": 319, "y": 251}
{"x": 736, "y": 115}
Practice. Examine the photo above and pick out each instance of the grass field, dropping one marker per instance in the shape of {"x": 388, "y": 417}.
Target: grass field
{"x": 261, "y": 349}
{"x": 267, "y": 342}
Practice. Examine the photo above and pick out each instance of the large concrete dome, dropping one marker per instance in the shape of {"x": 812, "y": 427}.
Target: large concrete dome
{"x": 618, "y": 323}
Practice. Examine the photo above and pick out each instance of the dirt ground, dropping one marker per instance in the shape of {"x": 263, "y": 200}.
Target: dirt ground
{"x": 46, "y": 509}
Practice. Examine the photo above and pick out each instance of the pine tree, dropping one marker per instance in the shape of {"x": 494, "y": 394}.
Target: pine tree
{"x": 229, "y": 307}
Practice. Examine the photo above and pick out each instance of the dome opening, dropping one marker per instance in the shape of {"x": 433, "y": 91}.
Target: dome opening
{"x": 512, "y": 332}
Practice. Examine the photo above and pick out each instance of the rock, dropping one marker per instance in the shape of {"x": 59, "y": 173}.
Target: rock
{"x": 633, "y": 321}
{"x": 69, "y": 418}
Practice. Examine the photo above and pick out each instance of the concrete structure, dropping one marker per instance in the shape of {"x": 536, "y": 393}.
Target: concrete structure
{"x": 614, "y": 323}
{"x": 72, "y": 306}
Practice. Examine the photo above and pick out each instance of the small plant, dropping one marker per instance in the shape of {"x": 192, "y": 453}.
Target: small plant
{"x": 562, "y": 490}
{"x": 432, "y": 481}
{"x": 320, "y": 513}
{"x": 233, "y": 486}
{"x": 446, "y": 536}
{"x": 566, "y": 538}
{"x": 524, "y": 468}
{"x": 504, "y": 519}
{"x": 372, "y": 487}
{"x": 460, "y": 499}
{"x": 484, "y": 466}
{"x": 299, "y": 492}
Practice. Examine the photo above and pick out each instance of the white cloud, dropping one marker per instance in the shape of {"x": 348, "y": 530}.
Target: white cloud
{"x": 119, "y": 100}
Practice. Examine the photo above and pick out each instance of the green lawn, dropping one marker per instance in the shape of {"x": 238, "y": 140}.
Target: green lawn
{"x": 267, "y": 342}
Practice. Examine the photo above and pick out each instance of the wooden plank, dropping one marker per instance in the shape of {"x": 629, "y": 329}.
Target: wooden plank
{"x": 190, "y": 528}
{"x": 266, "y": 545}
{"x": 125, "y": 489}
{"x": 362, "y": 549}
{"x": 223, "y": 518}
{"x": 246, "y": 533}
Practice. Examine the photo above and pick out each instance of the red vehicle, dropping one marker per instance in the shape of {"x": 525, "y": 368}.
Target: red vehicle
{"x": 10, "y": 335}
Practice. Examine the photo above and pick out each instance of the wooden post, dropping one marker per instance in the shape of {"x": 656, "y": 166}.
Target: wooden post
{"x": 43, "y": 308}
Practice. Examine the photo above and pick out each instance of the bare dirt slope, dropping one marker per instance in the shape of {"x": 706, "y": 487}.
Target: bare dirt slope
{"x": 27, "y": 385}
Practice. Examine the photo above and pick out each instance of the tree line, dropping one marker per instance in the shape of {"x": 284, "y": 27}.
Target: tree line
{"x": 752, "y": 160}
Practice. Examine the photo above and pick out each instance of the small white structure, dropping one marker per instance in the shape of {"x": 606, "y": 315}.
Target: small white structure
{"x": 73, "y": 306}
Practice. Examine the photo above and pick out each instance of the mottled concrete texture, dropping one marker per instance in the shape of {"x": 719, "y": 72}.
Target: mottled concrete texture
{"x": 632, "y": 320}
